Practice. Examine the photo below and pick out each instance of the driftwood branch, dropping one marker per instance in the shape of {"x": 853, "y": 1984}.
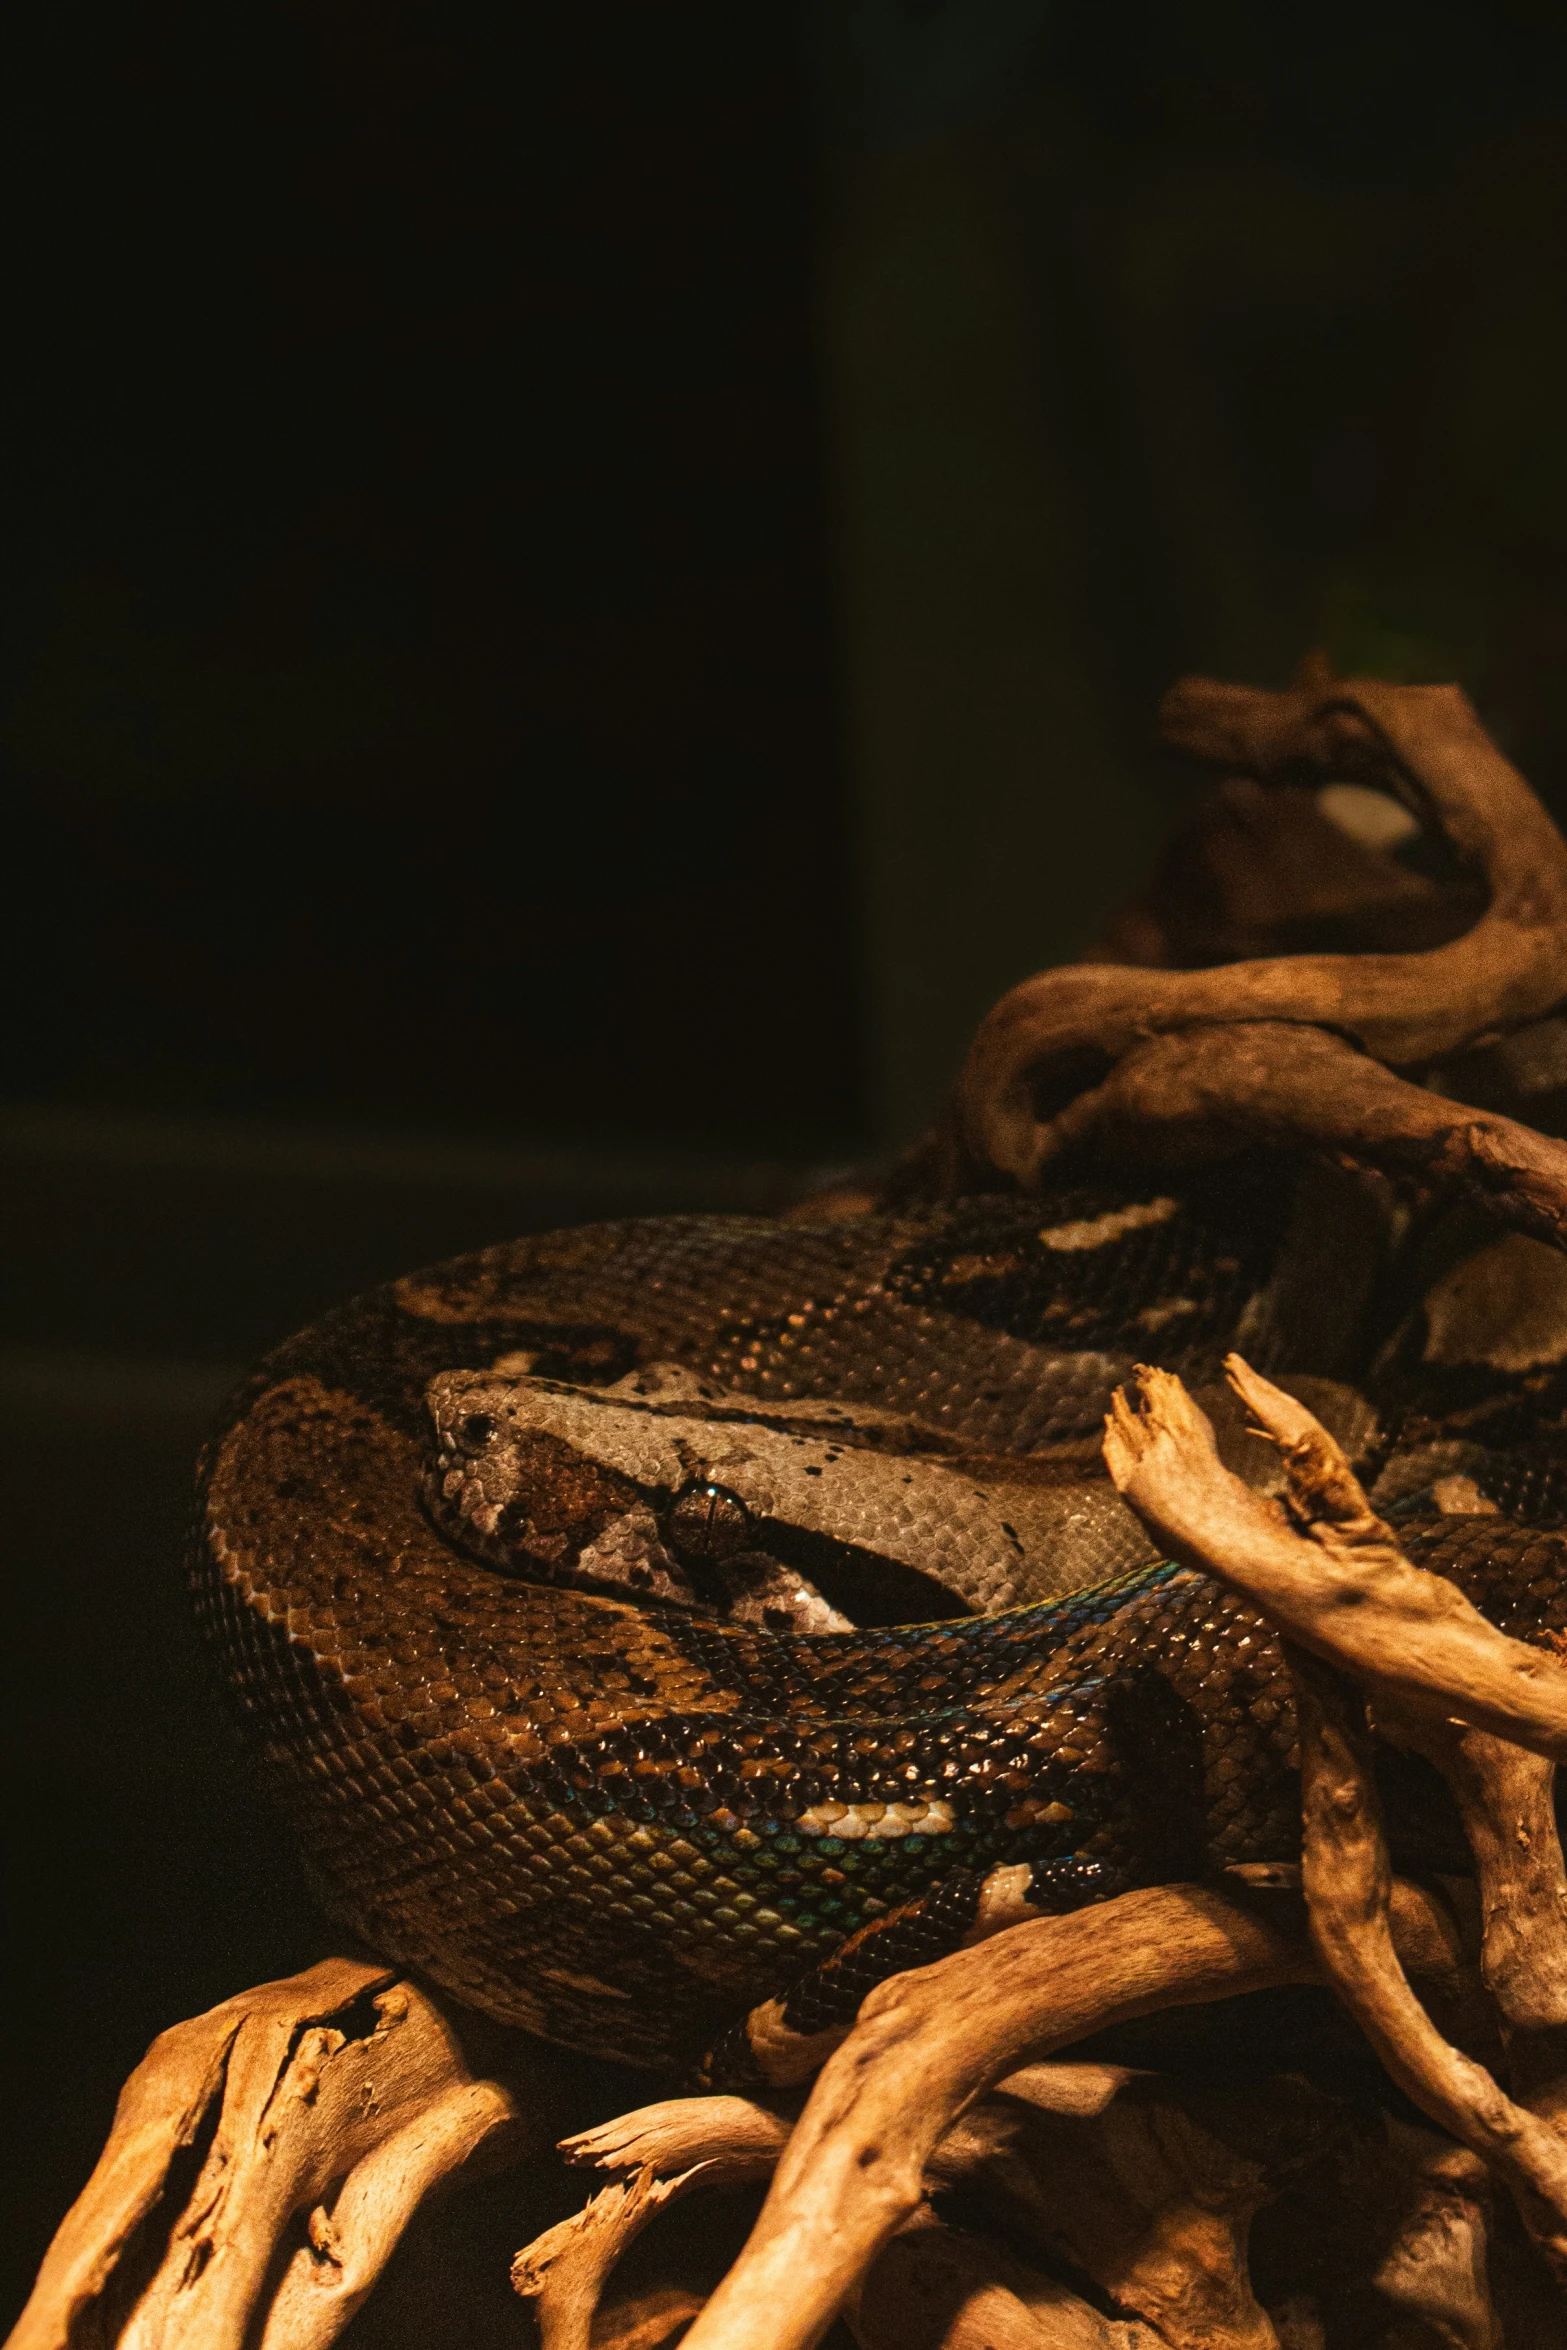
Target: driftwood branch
{"x": 338, "y": 2099}
{"x": 564, "y": 2271}
{"x": 1359, "y": 1603}
{"x": 928, "y": 2042}
{"x": 1505, "y": 1799}
{"x": 1042, "y": 1074}
{"x": 733, "y": 2139}
{"x": 1199, "y": 1093}
{"x": 1347, "y": 1593}
{"x": 1348, "y": 1884}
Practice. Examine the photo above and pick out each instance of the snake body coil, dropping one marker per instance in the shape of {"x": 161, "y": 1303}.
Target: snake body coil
{"x": 514, "y": 1571}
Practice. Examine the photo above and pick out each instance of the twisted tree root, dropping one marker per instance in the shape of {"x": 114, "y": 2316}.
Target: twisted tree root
{"x": 343, "y": 2093}
{"x": 928, "y": 2042}
{"x": 1345, "y": 1592}
{"x": 1121, "y": 1057}
{"x": 1356, "y": 1601}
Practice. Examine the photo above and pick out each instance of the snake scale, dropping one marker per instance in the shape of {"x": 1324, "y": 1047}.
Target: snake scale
{"x": 646, "y": 1623}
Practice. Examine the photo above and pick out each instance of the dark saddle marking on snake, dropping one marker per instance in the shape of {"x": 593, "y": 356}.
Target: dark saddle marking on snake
{"x": 506, "y": 1568}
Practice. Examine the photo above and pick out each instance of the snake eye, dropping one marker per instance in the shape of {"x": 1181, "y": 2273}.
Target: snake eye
{"x": 707, "y": 1524}
{"x": 474, "y": 1433}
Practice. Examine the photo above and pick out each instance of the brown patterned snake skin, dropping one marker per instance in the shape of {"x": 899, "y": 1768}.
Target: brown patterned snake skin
{"x": 529, "y": 1578}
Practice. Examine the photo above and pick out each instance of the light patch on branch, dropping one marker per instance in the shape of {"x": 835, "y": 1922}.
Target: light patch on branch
{"x": 1322, "y": 1566}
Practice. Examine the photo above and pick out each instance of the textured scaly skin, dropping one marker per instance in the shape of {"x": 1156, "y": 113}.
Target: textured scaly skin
{"x": 583, "y": 1816}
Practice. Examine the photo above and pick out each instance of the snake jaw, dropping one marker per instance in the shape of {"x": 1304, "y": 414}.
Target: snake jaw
{"x": 629, "y": 1561}
{"x": 772, "y": 1596}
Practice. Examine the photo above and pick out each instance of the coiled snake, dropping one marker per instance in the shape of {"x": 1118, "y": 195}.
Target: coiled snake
{"x": 649, "y": 1622}
{"x": 676, "y": 1622}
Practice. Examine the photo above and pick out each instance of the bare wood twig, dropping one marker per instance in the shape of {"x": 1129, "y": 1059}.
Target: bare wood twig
{"x": 564, "y": 2271}
{"x": 1347, "y": 1594}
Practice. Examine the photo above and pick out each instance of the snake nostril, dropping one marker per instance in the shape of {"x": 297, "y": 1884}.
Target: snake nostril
{"x": 475, "y": 1432}
{"x": 707, "y": 1524}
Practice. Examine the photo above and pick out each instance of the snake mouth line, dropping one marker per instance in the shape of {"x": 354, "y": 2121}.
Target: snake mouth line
{"x": 786, "y": 1580}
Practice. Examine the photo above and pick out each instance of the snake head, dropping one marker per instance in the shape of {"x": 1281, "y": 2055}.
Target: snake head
{"x": 530, "y": 1502}
{"x": 606, "y": 1498}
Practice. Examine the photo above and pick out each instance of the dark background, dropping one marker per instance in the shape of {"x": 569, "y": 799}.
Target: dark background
{"x": 419, "y": 699}
{"x": 584, "y": 586}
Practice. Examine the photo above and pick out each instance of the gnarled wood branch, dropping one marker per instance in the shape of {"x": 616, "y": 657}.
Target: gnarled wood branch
{"x": 1199, "y": 1093}
{"x": 1345, "y": 1566}
{"x": 928, "y": 2042}
{"x": 342, "y": 2096}
{"x": 1348, "y": 1883}
{"x": 1035, "y": 1080}
{"x": 1347, "y": 1594}
{"x": 1505, "y": 1799}
{"x": 564, "y": 2271}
